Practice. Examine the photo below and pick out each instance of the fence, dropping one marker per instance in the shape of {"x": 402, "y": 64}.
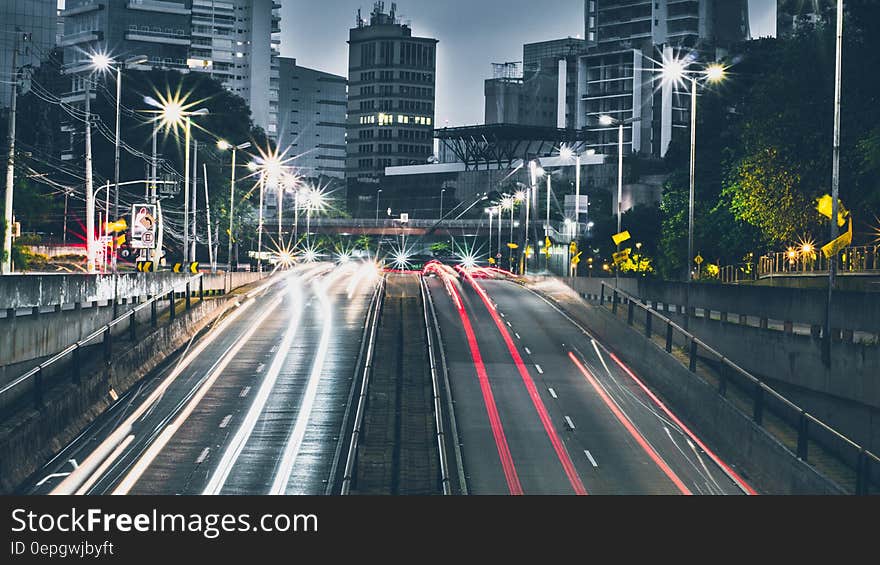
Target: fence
{"x": 834, "y": 455}
{"x": 864, "y": 259}
{"x": 70, "y": 361}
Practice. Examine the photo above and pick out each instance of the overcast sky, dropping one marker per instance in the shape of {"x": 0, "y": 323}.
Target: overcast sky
{"x": 473, "y": 34}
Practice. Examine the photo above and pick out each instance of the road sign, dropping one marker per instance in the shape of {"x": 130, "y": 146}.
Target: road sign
{"x": 621, "y": 257}
{"x": 840, "y": 243}
{"x": 513, "y": 246}
{"x": 621, "y": 237}
{"x": 577, "y": 258}
{"x": 491, "y": 260}
{"x": 699, "y": 259}
{"x": 143, "y": 226}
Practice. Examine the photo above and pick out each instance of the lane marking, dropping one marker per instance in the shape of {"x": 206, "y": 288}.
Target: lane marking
{"x": 502, "y": 314}
{"x": 244, "y": 392}
{"x": 590, "y": 457}
{"x": 202, "y": 456}
{"x": 552, "y": 393}
{"x": 52, "y": 476}
{"x": 241, "y": 437}
{"x": 625, "y": 421}
{"x": 517, "y": 335}
{"x": 510, "y": 474}
{"x": 543, "y": 415}
{"x": 540, "y": 370}
{"x": 260, "y": 368}
{"x": 225, "y": 421}
{"x": 294, "y": 442}
{"x": 508, "y": 325}
{"x": 528, "y": 351}
{"x": 742, "y": 484}
{"x": 102, "y": 468}
{"x": 569, "y": 422}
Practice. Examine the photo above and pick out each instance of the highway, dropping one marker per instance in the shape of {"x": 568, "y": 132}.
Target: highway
{"x": 542, "y": 408}
{"x": 255, "y": 406}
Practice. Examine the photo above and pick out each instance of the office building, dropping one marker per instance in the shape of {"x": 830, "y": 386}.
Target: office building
{"x": 37, "y": 19}
{"x": 392, "y": 77}
{"x": 238, "y": 43}
{"x": 794, "y": 15}
{"x": 311, "y": 118}
{"x": 619, "y": 77}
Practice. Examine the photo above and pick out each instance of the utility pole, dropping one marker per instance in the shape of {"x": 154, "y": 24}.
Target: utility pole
{"x": 90, "y": 187}
{"x": 10, "y": 167}
{"x": 116, "y": 161}
{"x": 187, "y": 127}
{"x": 208, "y": 214}
{"x": 195, "y": 200}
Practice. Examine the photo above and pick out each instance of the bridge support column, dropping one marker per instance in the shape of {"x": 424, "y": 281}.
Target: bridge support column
{"x": 848, "y": 336}
{"x": 816, "y": 332}
{"x": 788, "y": 327}
{"x": 764, "y": 323}
{"x": 743, "y": 320}
{"x": 724, "y": 316}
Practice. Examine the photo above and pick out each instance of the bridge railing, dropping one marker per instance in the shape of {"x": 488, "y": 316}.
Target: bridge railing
{"x": 71, "y": 361}
{"x": 831, "y": 453}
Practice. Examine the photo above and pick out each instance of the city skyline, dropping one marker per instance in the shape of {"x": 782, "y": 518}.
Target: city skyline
{"x": 316, "y": 36}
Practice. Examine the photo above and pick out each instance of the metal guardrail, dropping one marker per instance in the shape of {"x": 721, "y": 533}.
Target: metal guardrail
{"x": 351, "y": 459}
{"x": 789, "y": 419}
{"x": 36, "y": 375}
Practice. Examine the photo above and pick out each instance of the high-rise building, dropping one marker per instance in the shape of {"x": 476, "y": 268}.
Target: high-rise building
{"x": 36, "y": 18}
{"x": 619, "y": 77}
{"x": 159, "y": 29}
{"x": 544, "y": 94}
{"x": 392, "y": 77}
{"x": 238, "y": 43}
{"x": 311, "y": 118}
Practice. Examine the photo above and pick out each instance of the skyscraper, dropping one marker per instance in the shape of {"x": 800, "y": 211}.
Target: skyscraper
{"x": 18, "y": 17}
{"x": 392, "y": 77}
{"x": 237, "y": 42}
{"x": 312, "y": 119}
{"x": 619, "y": 77}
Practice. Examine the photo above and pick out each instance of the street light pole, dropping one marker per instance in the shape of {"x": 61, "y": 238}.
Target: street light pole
{"x": 619, "y": 196}
{"x": 547, "y": 226}
{"x": 690, "y": 257}
{"x": 231, "y": 210}
{"x": 186, "y": 130}
{"x": 260, "y": 225}
{"x": 377, "y": 204}
{"x": 441, "y": 203}
{"x": 577, "y": 197}
{"x": 835, "y": 180}
{"x": 116, "y": 162}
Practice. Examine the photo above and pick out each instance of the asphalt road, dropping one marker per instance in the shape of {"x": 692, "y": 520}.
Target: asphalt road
{"x": 253, "y": 407}
{"x": 554, "y": 412}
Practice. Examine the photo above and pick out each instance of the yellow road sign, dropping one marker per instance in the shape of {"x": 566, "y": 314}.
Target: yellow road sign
{"x": 577, "y": 258}
{"x": 824, "y": 205}
{"x": 621, "y": 257}
{"x": 513, "y": 246}
{"x": 699, "y": 259}
{"x": 840, "y": 243}
{"x": 621, "y": 237}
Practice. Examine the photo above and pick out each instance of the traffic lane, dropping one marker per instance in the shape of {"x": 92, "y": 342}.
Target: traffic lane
{"x": 143, "y": 412}
{"x": 192, "y": 456}
{"x": 483, "y": 470}
{"x": 350, "y": 304}
{"x": 273, "y": 449}
{"x": 537, "y": 467}
{"x": 685, "y": 460}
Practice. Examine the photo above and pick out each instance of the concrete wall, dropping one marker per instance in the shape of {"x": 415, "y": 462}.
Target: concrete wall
{"x": 765, "y": 463}
{"x": 30, "y": 291}
{"x": 33, "y": 437}
{"x": 27, "y": 337}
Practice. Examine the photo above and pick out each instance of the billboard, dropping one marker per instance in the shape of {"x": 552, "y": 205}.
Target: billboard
{"x": 143, "y": 226}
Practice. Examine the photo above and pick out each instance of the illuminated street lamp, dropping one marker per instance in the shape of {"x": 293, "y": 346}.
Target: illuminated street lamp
{"x": 223, "y": 145}
{"x": 174, "y": 113}
{"x": 101, "y": 62}
{"x": 675, "y": 71}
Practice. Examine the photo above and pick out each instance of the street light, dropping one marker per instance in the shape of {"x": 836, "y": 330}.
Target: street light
{"x": 378, "y": 192}
{"x": 174, "y": 113}
{"x": 103, "y": 63}
{"x": 224, "y": 145}
{"x": 607, "y": 120}
{"x": 442, "y": 191}
{"x": 675, "y": 71}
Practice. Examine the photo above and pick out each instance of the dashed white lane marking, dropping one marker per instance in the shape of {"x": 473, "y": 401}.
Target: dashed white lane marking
{"x": 260, "y": 368}
{"x": 225, "y": 421}
{"x": 569, "y": 422}
{"x": 274, "y": 349}
{"x": 203, "y": 455}
{"x": 590, "y": 457}
{"x": 244, "y": 392}
{"x": 540, "y": 370}
{"x": 502, "y": 314}
{"x": 528, "y": 351}
{"x": 517, "y": 335}
{"x": 552, "y": 393}
{"x": 508, "y": 325}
